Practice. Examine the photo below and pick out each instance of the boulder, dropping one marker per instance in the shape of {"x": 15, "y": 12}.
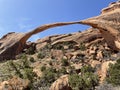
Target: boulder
{"x": 14, "y": 84}
{"x": 61, "y": 84}
{"x": 57, "y": 54}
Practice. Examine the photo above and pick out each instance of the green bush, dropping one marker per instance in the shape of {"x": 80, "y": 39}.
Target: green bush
{"x": 71, "y": 70}
{"x": 86, "y": 81}
{"x": 82, "y": 47}
{"x": 50, "y": 62}
{"x": 23, "y": 70}
{"x": 32, "y": 59}
{"x": 43, "y": 68}
{"x": 62, "y": 71}
{"x": 19, "y": 68}
{"x": 75, "y": 82}
{"x": 15, "y": 68}
{"x": 64, "y": 62}
{"x": 29, "y": 74}
{"x": 106, "y": 54}
{"x": 30, "y": 51}
{"x": 113, "y": 76}
{"x": 87, "y": 68}
{"x": 58, "y": 47}
{"x": 41, "y": 55}
{"x": 48, "y": 77}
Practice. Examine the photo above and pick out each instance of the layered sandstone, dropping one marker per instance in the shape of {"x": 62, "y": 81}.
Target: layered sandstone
{"x": 108, "y": 23}
{"x": 13, "y": 43}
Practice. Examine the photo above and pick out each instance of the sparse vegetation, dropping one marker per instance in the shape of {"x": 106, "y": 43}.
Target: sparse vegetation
{"x": 32, "y": 59}
{"x": 49, "y": 76}
{"x": 106, "y": 54}
{"x": 113, "y": 76}
{"x": 58, "y": 47}
{"x": 41, "y": 55}
{"x": 86, "y": 81}
{"x": 64, "y": 62}
{"x": 50, "y": 62}
{"x": 43, "y": 68}
{"x": 30, "y": 51}
{"x": 62, "y": 71}
{"x": 82, "y": 47}
{"x": 23, "y": 70}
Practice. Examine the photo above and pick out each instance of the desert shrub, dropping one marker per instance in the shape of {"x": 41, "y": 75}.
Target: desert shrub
{"x": 15, "y": 68}
{"x": 64, "y": 62}
{"x": 86, "y": 81}
{"x": 41, "y": 55}
{"x": 48, "y": 77}
{"x": 30, "y": 51}
{"x": 87, "y": 68}
{"x": 43, "y": 68}
{"x": 79, "y": 31}
{"x": 82, "y": 47}
{"x": 80, "y": 56}
{"x": 48, "y": 46}
{"x": 62, "y": 71}
{"x": 29, "y": 74}
{"x": 45, "y": 51}
{"x": 71, "y": 46}
{"x": 23, "y": 70}
{"x": 50, "y": 62}
{"x": 20, "y": 56}
{"x": 31, "y": 59}
{"x": 58, "y": 47}
{"x": 71, "y": 70}
{"x": 106, "y": 54}
{"x": 113, "y": 75}
{"x": 75, "y": 81}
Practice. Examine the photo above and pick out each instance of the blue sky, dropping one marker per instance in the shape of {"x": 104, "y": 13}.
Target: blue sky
{"x": 25, "y": 15}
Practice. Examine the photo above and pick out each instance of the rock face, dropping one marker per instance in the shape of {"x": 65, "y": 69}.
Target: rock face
{"x": 109, "y": 24}
{"x": 75, "y": 38}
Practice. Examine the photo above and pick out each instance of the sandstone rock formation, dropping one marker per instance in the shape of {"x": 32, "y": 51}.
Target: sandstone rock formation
{"x": 13, "y": 43}
{"x": 109, "y": 24}
{"x": 87, "y": 36}
{"x": 14, "y": 84}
